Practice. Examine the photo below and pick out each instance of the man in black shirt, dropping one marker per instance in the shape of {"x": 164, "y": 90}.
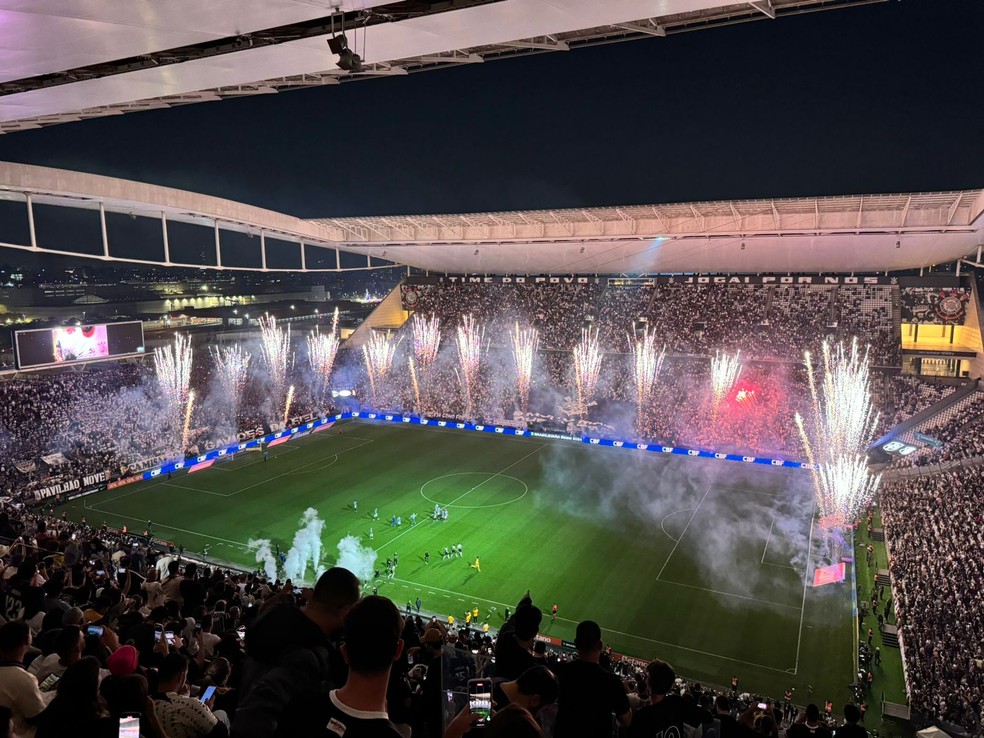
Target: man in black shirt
{"x": 809, "y": 725}
{"x": 512, "y": 649}
{"x": 373, "y": 629}
{"x": 666, "y": 714}
{"x": 589, "y": 695}
{"x": 850, "y": 728}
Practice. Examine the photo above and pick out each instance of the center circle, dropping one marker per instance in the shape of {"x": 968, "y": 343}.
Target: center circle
{"x": 466, "y": 488}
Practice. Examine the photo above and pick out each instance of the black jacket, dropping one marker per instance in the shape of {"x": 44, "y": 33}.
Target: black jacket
{"x": 290, "y": 665}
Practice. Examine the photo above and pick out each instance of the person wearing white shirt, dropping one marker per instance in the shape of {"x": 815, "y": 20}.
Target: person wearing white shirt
{"x": 19, "y": 693}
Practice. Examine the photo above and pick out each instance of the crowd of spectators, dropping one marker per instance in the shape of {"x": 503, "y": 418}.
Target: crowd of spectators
{"x": 936, "y": 548}
{"x": 98, "y": 626}
{"x": 957, "y": 431}
{"x": 763, "y": 322}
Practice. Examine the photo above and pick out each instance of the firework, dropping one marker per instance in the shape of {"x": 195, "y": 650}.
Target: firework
{"x": 426, "y": 340}
{"x": 725, "y": 370}
{"x": 290, "y": 399}
{"x": 646, "y": 365}
{"x": 187, "y": 424}
{"x": 470, "y": 357}
{"x": 524, "y": 343}
{"x": 232, "y": 368}
{"x": 416, "y": 387}
{"x": 173, "y": 365}
{"x": 275, "y": 347}
{"x": 587, "y": 367}
{"x": 378, "y": 355}
{"x": 322, "y": 350}
{"x": 842, "y": 425}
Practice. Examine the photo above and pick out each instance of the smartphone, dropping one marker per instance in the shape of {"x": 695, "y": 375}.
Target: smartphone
{"x": 480, "y": 698}
{"x": 129, "y": 726}
{"x": 94, "y": 630}
{"x": 170, "y": 637}
{"x": 763, "y": 706}
{"x": 48, "y": 683}
{"x": 207, "y": 695}
{"x": 100, "y": 572}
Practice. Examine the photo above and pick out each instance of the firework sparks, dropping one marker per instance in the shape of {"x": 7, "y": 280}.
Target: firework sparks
{"x": 525, "y": 342}
{"x": 646, "y": 365}
{"x": 416, "y": 386}
{"x": 186, "y": 432}
{"x": 173, "y": 365}
{"x": 426, "y": 340}
{"x": 842, "y": 425}
{"x": 378, "y": 355}
{"x": 290, "y": 399}
{"x": 275, "y": 346}
{"x": 725, "y": 370}
{"x": 587, "y": 367}
{"x": 322, "y": 350}
{"x": 470, "y": 357}
{"x": 232, "y": 368}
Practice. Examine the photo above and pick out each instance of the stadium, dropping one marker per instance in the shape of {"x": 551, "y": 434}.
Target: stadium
{"x": 742, "y": 436}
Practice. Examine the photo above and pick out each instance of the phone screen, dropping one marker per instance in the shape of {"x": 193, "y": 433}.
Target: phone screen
{"x": 49, "y": 682}
{"x": 129, "y": 727}
{"x": 170, "y": 637}
{"x": 480, "y": 698}
{"x": 94, "y": 630}
{"x": 207, "y": 694}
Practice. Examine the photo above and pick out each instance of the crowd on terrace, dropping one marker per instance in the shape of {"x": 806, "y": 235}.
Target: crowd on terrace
{"x": 764, "y": 322}
{"x": 96, "y": 625}
{"x": 936, "y": 547}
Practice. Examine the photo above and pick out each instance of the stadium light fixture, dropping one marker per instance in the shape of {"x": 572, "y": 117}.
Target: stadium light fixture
{"x": 348, "y": 60}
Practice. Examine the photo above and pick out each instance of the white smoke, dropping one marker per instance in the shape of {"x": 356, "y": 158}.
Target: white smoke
{"x": 306, "y": 548}
{"x": 358, "y": 559}
{"x": 264, "y": 555}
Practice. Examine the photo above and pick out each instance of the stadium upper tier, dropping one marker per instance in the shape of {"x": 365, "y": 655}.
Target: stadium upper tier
{"x": 846, "y": 234}
{"x": 61, "y": 63}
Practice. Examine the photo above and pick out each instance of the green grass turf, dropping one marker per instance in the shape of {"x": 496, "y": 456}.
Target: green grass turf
{"x": 697, "y": 562}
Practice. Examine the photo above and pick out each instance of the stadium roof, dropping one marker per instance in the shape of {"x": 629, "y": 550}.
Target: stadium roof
{"x": 857, "y": 233}
{"x": 63, "y": 61}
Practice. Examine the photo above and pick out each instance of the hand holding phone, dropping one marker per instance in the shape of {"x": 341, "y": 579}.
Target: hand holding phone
{"x": 94, "y": 630}
{"x": 130, "y": 726}
{"x": 480, "y": 699}
{"x": 207, "y": 695}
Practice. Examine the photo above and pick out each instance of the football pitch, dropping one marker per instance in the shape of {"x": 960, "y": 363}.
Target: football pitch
{"x": 702, "y": 563}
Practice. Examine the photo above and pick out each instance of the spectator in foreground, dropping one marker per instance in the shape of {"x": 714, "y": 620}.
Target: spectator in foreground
{"x": 373, "y": 629}
{"x": 20, "y": 697}
{"x": 809, "y": 725}
{"x": 291, "y": 662}
{"x": 535, "y": 689}
{"x": 851, "y": 728}
{"x": 666, "y": 713}
{"x": 78, "y": 704}
{"x": 182, "y": 716}
{"x": 589, "y": 695}
{"x": 512, "y": 650}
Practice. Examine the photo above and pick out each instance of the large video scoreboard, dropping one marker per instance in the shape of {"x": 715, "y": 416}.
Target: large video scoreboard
{"x": 50, "y": 347}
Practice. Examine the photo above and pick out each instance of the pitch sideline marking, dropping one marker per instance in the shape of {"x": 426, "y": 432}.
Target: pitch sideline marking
{"x": 182, "y": 530}
{"x": 222, "y": 467}
{"x": 728, "y": 594}
{"x": 769, "y": 539}
{"x": 609, "y": 630}
{"x": 806, "y": 581}
{"x": 684, "y": 532}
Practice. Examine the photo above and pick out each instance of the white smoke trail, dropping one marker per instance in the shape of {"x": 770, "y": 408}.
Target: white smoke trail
{"x": 306, "y": 548}
{"x": 358, "y": 559}
{"x": 264, "y": 555}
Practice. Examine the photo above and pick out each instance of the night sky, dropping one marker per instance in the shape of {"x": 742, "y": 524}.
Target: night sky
{"x": 884, "y": 98}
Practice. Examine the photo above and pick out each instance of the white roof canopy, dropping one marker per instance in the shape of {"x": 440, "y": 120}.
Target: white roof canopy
{"x": 855, "y": 233}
